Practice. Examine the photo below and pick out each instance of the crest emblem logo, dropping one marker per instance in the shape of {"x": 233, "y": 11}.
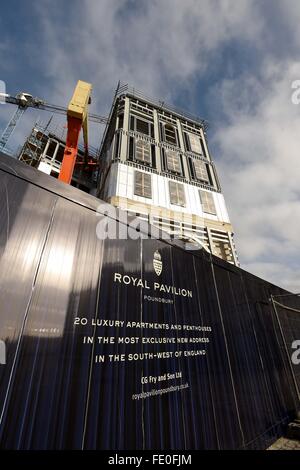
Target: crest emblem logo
{"x": 157, "y": 263}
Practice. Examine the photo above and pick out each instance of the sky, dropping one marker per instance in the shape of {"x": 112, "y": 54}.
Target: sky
{"x": 231, "y": 62}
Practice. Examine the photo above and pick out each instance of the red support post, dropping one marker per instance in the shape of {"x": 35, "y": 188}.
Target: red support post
{"x": 70, "y": 153}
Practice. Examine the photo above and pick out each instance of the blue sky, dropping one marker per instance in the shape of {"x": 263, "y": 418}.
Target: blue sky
{"x": 231, "y": 62}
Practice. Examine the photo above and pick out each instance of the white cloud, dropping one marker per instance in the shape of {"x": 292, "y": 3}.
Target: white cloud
{"x": 260, "y": 168}
{"x": 277, "y": 273}
{"x": 157, "y": 46}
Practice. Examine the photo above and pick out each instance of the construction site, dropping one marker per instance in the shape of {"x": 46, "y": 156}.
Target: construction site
{"x": 195, "y": 352}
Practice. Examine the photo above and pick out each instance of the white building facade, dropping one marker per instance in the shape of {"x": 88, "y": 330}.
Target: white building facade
{"x": 155, "y": 164}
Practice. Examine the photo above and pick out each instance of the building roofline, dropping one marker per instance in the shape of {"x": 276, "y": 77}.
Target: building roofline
{"x": 126, "y": 90}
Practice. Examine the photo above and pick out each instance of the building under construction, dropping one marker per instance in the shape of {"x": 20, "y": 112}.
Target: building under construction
{"x": 154, "y": 162}
{"x": 44, "y": 149}
{"x": 138, "y": 342}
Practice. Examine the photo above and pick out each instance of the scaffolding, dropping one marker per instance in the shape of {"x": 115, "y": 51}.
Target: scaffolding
{"x": 44, "y": 150}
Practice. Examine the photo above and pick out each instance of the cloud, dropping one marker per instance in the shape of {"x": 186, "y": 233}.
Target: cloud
{"x": 236, "y": 60}
{"x": 161, "y": 47}
{"x": 277, "y": 273}
{"x": 157, "y": 46}
{"x": 259, "y": 164}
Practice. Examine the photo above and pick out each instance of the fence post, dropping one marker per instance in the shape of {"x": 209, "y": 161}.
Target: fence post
{"x": 285, "y": 347}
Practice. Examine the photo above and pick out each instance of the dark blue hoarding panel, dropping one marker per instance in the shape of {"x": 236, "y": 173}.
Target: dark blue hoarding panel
{"x": 130, "y": 344}
{"x": 52, "y": 370}
{"x": 25, "y": 220}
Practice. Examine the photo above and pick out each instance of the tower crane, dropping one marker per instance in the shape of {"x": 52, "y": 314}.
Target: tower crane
{"x": 24, "y": 101}
{"x": 77, "y": 117}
